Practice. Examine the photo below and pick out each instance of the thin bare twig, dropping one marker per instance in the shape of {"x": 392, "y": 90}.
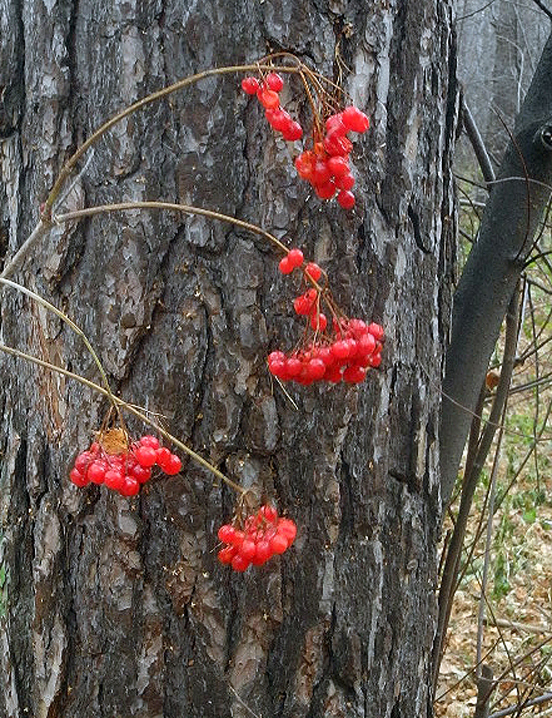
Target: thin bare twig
{"x": 131, "y": 408}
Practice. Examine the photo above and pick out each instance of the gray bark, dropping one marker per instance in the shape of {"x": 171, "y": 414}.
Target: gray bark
{"x": 117, "y": 607}
{"x": 511, "y": 217}
{"x": 499, "y": 45}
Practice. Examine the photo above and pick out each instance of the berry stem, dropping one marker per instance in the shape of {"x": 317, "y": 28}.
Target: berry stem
{"x": 153, "y": 97}
{"x": 122, "y": 404}
{"x": 187, "y": 209}
{"x": 70, "y": 323}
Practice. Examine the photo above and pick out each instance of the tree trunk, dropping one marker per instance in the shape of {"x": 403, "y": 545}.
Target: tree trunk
{"x": 118, "y": 607}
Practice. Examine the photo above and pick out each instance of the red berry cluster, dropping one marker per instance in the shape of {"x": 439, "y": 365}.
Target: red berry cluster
{"x": 126, "y": 470}
{"x": 326, "y": 166}
{"x": 267, "y": 93}
{"x": 344, "y": 354}
{"x": 263, "y": 535}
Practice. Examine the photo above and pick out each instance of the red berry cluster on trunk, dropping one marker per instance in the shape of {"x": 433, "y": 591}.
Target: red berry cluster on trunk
{"x": 263, "y": 535}
{"x": 267, "y": 92}
{"x": 125, "y": 470}
{"x": 326, "y": 166}
{"x": 342, "y": 353}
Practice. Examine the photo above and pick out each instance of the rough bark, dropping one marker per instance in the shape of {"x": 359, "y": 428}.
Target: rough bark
{"x": 118, "y": 607}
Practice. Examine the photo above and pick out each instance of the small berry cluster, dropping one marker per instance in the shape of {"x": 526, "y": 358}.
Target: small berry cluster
{"x": 344, "y": 354}
{"x": 326, "y": 166}
{"x": 126, "y": 470}
{"x": 267, "y": 93}
{"x": 263, "y": 535}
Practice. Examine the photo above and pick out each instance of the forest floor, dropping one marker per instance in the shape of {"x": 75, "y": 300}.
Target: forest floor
{"x": 519, "y": 609}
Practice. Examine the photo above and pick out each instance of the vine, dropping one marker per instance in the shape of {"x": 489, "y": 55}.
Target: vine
{"x": 333, "y": 348}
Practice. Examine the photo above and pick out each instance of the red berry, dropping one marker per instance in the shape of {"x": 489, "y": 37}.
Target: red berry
{"x": 172, "y": 466}
{"x": 262, "y": 553}
{"x": 321, "y": 173}
{"x": 239, "y": 563}
{"x": 366, "y": 345}
{"x": 285, "y": 266}
{"x": 269, "y": 99}
{"x": 354, "y": 374}
{"x": 292, "y": 132}
{"x": 226, "y": 533}
{"x": 139, "y": 473}
{"x": 319, "y": 321}
{"x": 313, "y": 270}
{"x": 226, "y": 554}
{"x": 334, "y": 123}
{"x": 114, "y": 479}
{"x": 345, "y": 182}
{"x": 278, "y": 543}
{"x": 293, "y": 367}
{"x": 149, "y": 440}
{"x": 129, "y": 487}
{"x": 375, "y": 360}
{"x": 83, "y": 461}
{"x": 162, "y": 455}
{"x": 276, "y": 356}
{"x": 325, "y": 191}
{"x": 146, "y": 456}
{"x": 315, "y": 369}
{"x": 295, "y": 257}
{"x": 325, "y": 354}
{"x": 358, "y": 327}
{"x": 338, "y": 166}
{"x": 333, "y": 374}
{"x": 77, "y": 478}
{"x": 304, "y": 164}
{"x": 302, "y": 305}
{"x": 274, "y": 82}
{"x": 336, "y": 144}
{"x": 250, "y": 85}
{"x": 376, "y": 330}
{"x": 278, "y": 119}
{"x": 278, "y": 369}
{"x": 248, "y": 549}
{"x": 268, "y": 512}
{"x": 340, "y": 349}
{"x": 96, "y": 472}
{"x": 354, "y": 119}
{"x": 353, "y": 347}
{"x": 288, "y": 529}
{"x": 346, "y": 199}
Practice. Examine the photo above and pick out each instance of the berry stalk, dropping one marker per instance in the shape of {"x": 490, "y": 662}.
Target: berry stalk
{"x": 122, "y": 404}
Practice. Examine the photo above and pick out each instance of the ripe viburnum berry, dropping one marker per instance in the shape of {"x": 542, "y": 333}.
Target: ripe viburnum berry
{"x": 274, "y": 81}
{"x": 313, "y": 271}
{"x": 77, "y": 478}
{"x": 285, "y": 266}
{"x": 269, "y": 99}
{"x": 146, "y": 456}
{"x": 354, "y": 119}
{"x": 292, "y": 132}
{"x": 250, "y": 85}
{"x": 346, "y": 199}
{"x": 172, "y": 466}
{"x": 120, "y": 466}
{"x": 264, "y": 534}
{"x": 295, "y": 257}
